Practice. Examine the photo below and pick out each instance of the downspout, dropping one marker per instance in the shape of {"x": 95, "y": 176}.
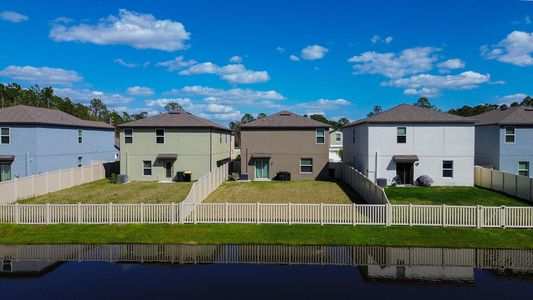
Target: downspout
{"x": 210, "y": 149}
{"x": 376, "y": 167}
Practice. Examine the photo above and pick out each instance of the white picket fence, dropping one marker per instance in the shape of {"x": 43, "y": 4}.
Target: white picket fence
{"x": 262, "y": 213}
{"x": 370, "y": 191}
{"x": 40, "y": 184}
{"x": 511, "y": 184}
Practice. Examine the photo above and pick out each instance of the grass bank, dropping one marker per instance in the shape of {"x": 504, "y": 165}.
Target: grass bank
{"x": 268, "y": 234}
{"x": 450, "y": 196}
{"x": 296, "y": 191}
{"x": 103, "y": 191}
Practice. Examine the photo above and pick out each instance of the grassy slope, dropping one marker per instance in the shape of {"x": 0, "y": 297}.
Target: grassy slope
{"x": 102, "y": 191}
{"x": 297, "y": 191}
{"x": 450, "y": 196}
{"x": 268, "y": 234}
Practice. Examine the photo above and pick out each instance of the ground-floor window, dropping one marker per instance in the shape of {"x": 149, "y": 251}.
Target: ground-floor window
{"x": 80, "y": 161}
{"x": 447, "y": 168}
{"x": 147, "y": 168}
{"x": 523, "y": 168}
{"x": 306, "y": 165}
{"x": 5, "y": 171}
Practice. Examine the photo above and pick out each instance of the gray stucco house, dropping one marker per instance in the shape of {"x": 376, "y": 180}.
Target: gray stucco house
{"x": 504, "y": 139}
{"x": 36, "y": 140}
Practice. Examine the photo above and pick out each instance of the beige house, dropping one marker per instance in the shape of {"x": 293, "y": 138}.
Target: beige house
{"x": 157, "y": 148}
{"x": 284, "y": 142}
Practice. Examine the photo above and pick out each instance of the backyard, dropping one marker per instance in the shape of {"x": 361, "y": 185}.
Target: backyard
{"x": 298, "y": 191}
{"x": 104, "y": 191}
{"x": 450, "y": 196}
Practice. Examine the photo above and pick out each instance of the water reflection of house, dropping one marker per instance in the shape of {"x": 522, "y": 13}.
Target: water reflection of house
{"x": 418, "y": 274}
{"x": 27, "y": 269}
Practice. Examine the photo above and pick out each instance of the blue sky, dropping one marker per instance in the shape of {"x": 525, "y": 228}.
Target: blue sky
{"x": 221, "y": 59}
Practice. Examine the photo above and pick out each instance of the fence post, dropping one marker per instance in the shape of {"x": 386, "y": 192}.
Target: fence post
{"x": 226, "y": 212}
{"x": 17, "y": 213}
{"x": 354, "y": 214}
{"x": 47, "y": 213}
{"x": 290, "y": 216}
{"x": 410, "y": 215}
{"x": 110, "y": 213}
{"x": 257, "y": 212}
{"x": 79, "y": 213}
{"x": 141, "y": 208}
{"x": 321, "y": 213}
{"x": 388, "y": 216}
{"x": 195, "y": 213}
{"x": 479, "y": 216}
{"x": 172, "y": 213}
{"x": 181, "y": 213}
{"x": 443, "y": 215}
{"x": 503, "y": 216}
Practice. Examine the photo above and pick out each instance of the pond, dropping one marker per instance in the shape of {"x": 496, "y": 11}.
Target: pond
{"x": 262, "y": 272}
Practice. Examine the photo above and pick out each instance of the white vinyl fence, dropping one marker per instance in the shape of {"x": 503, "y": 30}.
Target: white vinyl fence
{"x": 262, "y": 213}
{"x": 511, "y": 184}
{"x": 40, "y": 184}
{"x": 365, "y": 187}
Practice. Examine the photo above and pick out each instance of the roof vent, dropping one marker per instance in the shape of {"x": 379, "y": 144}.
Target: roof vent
{"x": 177, "y": 112}
{"x": 285, "y": 114}
{"x": 504, "y": 107}
{"x": 528, "y": 109}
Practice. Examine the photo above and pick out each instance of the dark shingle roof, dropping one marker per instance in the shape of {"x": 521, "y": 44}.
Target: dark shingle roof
{"x": 22, "y": 114}
{"x": 517, "y": 115}
{"x": 410, "y": 114}
{"x": 175, "y": 119}
{"x": 284, "y": 119}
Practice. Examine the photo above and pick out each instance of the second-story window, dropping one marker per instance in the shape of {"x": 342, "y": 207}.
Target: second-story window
{"x": 320, "y": 137}
{"x": 5, "y": 136}
{"x": 128, "y": 136}
{"x": 338, "y": 137}
{"x": 160, "y": 136}
{"x": 80, "y": 136}
{"x": 401, "y": 135}
{"x": 510, "y": 135}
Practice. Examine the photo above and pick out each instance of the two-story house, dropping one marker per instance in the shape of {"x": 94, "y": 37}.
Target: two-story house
{"x": 285, "y": 142}
{"x": 158, "y": 147}
{"x": 335, "y": 145}
{"x": 35, "y": 140}
{"x": 407, "y": 141}
{"x": 504, "y": 139}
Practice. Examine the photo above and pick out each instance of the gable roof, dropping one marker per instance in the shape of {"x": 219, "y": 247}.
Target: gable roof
{"x": 410, "y": 114}
{"x": 285, "y": 119}
{"x": 177, "y": 119}
{"x": 516, "y": 115}
{"x": 23, "y": 114}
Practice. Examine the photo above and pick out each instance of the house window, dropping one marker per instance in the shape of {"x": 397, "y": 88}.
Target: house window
{"x": 510, "y": 135}
{"x": 80, "y": 161}
{"x": 147, "y": 168}
{"x": 353, "y": 135}
{"x": 80, "y": 136}
{"x": 447, "y": 168}
{"x": 5, "y": 171}
{"x": 523, "y": 168}
{"x": 226, "y": 136}
{"x": 128, "y": 136}
{"x": 159, "y": 136}
{"x": 338, "y": 137}
{"x": 401, "y": 135}
{"x": 220, "y": 138}
{"x": 5, "y": 136}
{"x": 306, "y": 165}
{"x": 320, "y": 138}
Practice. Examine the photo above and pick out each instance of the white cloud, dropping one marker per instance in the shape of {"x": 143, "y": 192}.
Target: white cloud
{"x": 231, "y": 96}
{"x": 508, "y": 99}
{"x": 41, "y": 75}
{"x": 208, "y": 111}
{"x": 377, "y": 39}
{"x": 120, "y": 61}
{"x": 86, "y": 95}
{"x": 142, "y": 31}
{"x": 140, "y": 91}
{"x": 280, "y": 49}
{"x": 12, "y": 16}
{"x": 324, "y": 104}
{"x": 451, "y": 64}
{"x": 516, "y": 49}
{"x": 235, "y": 59}
{"x": 233, "y": 73}
{"x": 217, "y": 108}
{"x": 313, "y": 52}
{"x": 408, "y": 62}
{"x": 159, "y": 104}
{"x": 431, "y": 85}
{"x": 177, "y": 63}
{"x": 294, "y": 57}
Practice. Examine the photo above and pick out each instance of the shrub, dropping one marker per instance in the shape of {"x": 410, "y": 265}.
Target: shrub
{"x": 424, "y": 180}
{"x": 234, "y": 176}
{"x": 113, "y": 178}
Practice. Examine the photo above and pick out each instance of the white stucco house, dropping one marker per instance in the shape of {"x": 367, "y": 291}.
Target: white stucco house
{"x": 335, "y": 144}
{"x": 407, "y": 141}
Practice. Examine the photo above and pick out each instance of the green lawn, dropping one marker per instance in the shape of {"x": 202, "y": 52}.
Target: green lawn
{"x": 450, "y": 196}
{"x": 268, "y": 234}
{"x": 297, "y": 191}
{"x": 103, "y": 191}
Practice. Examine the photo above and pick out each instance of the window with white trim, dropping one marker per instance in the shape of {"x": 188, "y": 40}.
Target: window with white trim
{"x": 147, "y": 168}
{"x": 401, "y": 135}
{"x": 447, "y": 168}
{"x": 159, "y": 136}
{"x": 80, "y": 161}
{"x": 128, "y": 136}
{"x": 80, "y": 136}
{"x": 510, "y": 135}
{"x": 320, "y": 136}
{"x": 353, "y": 135}
{"x": 523, "y": 168}
{"x": 226, "y": 137}
{"x": 338, "y": 137}
{"x": 306, "y": 165}
{"x": 5, "y": 136}
{"x": 220, "y": 138}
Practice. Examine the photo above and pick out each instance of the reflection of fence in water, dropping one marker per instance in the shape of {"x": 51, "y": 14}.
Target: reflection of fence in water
{"x": 274, "y": 254}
